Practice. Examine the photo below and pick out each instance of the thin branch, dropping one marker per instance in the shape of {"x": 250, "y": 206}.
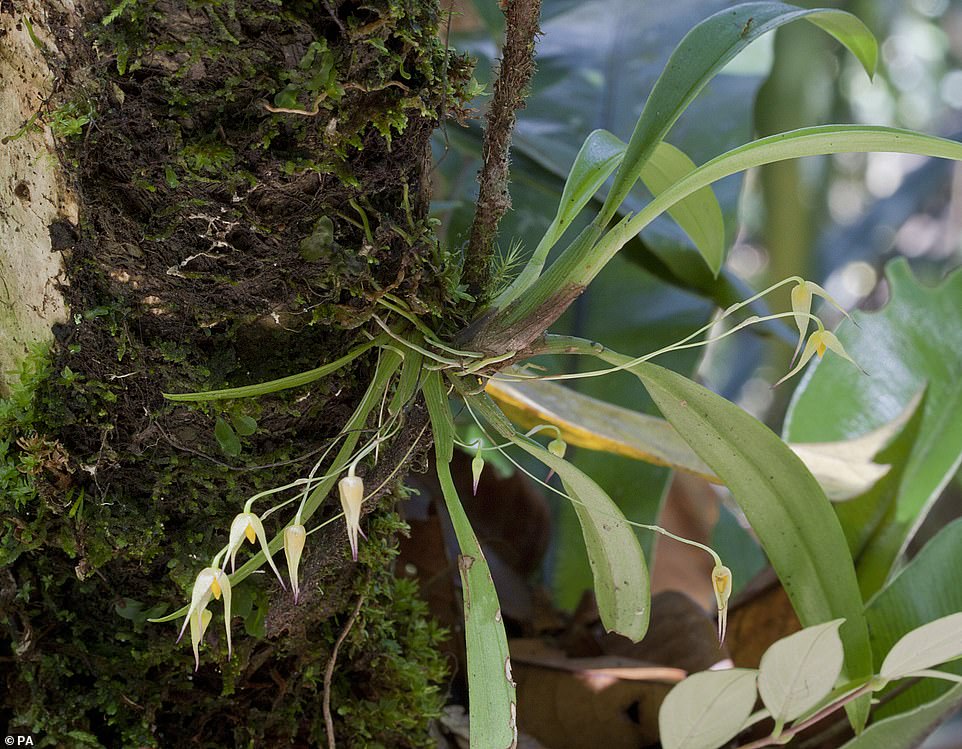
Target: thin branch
{"x": 510, "y": 89}
{"x": 787, "y": 735}
{"x": 329, "y": 673}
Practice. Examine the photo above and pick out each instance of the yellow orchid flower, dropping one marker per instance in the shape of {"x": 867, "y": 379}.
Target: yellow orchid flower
{"x": 295, "y": 536}
{"x": 351, "y": 489}
{"x": 721, "y": 582}
{"x": 210, "y": 582}
{"x": 802, "y": 308}
{"x": 818, "y": 343}
{"x": 248, "y": 525}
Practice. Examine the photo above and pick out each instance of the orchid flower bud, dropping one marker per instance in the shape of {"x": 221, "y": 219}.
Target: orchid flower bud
{"x": 351, "y": 489}
{"x": 557, "y": 447}
{"x": 295, "y": 537}
{"x": 248, "y": 525}
{"x": 721, "y": 581}
{"x": 477, "y": 465}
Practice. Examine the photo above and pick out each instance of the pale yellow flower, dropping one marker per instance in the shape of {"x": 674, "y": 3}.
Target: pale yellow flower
{"x": 248, "y": 525}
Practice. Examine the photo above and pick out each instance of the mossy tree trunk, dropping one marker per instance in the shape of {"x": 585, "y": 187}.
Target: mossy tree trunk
{"x": 237, "y": 182}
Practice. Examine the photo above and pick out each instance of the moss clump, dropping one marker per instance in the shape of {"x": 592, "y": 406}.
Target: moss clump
{"x": 186, "y": 273}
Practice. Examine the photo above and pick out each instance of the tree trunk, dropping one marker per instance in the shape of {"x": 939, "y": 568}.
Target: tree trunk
{"x": 235, "y": 183}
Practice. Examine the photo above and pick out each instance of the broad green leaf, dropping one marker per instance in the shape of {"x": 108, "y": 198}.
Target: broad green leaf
{"x": 909, "y": 729}
{"x": 707, "y": 710}
{"x": 702, "y": 54}
{"x": 916, "y": 595}
{"x": 782, "y": 501}
{"x": 845, "y": 469}
{"x": 699, "y": 215}
{"x": 284, "y": 383}
{"x": 244, "y": 425}
{"x": 924, "y": 647}
{"x": 914, "y": 341}
{"x": 798, "y": 671}
{"x": 226, "y": 438}
{"x": 621, "y": 582}
{"x": 491, "y": 690}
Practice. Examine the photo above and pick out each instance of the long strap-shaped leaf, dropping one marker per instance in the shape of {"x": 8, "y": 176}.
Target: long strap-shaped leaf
{"x": 284, "y": 383}
{"x": 781, "y": 499}
{"x": 617, "y": 562}
{"x": 580, "y": 267}
{"x": 702, "y": 54}
{"x": 491, "y": 692}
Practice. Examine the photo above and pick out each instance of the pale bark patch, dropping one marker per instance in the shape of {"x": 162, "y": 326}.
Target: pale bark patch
{"x": 33, "y": 194}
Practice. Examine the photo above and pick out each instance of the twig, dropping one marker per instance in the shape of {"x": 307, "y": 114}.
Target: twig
{"x": 510, "y": 89}
{"x": 329, "y": 673}
{"x": 785, "y": 736}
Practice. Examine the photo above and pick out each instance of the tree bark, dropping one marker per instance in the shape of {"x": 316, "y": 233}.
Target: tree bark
{"x": 235, "y": 185}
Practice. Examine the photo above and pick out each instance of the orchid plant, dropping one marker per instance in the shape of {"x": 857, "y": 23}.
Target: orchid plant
{"x": 416, "y": 369}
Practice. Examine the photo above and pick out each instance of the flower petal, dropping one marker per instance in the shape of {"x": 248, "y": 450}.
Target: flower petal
{"x": 238, "y": 529}
{"x": 258, "y": 527}
{"x": 807, "y": 354}
{"x": 801, "y": 307}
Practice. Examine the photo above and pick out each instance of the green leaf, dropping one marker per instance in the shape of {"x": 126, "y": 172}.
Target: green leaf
{"x": 245, "y": 426}
{"x": 618, "y": 566}
{"x": 699, "y": 215}
{"x": 845, "y": 469}
{"x": 702, "y": 54}
{"x": 407, "y": 385}
{"x": 916, "y": 595}
{"x": 798, "y": 671}
{"x": 491, "y": 691}
{"x": 284, "y": 383}
{"x": 780, "y": 498}
{"x": 227, "y": 438}
{"x": 442, "y": 422}
{"x": 580, "y": 268}
{"x": 908, "y": 730}
{"x": 707, "y": 710}
{"x": 926, "y": 646}
{"x": 598, "y": 157}
{"x": 914, "y": 341}
{"x": 604, "y": 58}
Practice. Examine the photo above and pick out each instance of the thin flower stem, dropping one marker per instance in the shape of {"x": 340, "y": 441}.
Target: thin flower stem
{"x": 632, "y": 523}
{"x": 787, "y": 735}
{"x": 678, "y": 346}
